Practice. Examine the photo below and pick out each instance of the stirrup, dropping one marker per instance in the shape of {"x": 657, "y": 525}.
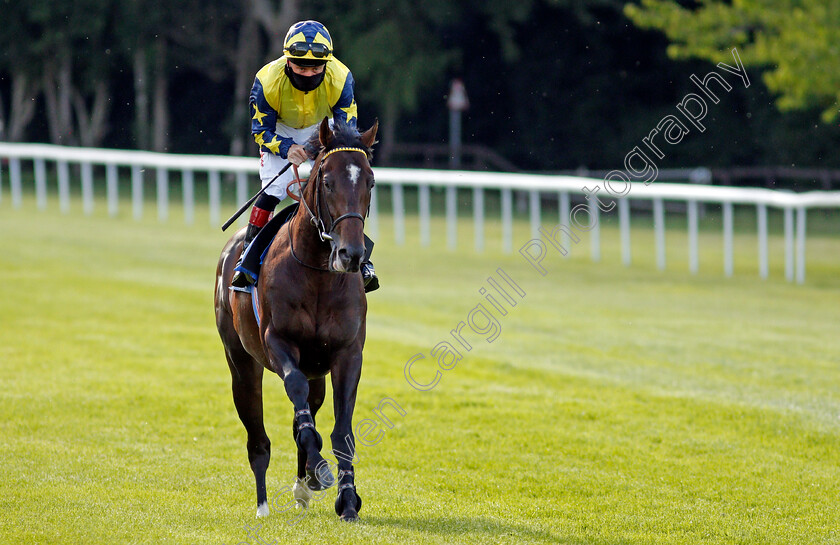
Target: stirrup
{"x": 369, "y": 277}
{"x": 241, "y": 279}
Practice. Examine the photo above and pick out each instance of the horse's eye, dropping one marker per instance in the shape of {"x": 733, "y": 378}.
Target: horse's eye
{"x": 372, "y": 182}
{"x": 327, "y": 184}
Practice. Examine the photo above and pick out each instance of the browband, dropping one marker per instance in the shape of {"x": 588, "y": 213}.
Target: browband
{"x": 360, "y": 150}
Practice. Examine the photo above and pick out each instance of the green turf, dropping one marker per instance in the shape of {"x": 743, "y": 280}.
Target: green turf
{"x": 617, "y": 406}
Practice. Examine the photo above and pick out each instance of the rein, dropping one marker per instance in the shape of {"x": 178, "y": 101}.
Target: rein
{"x": 315, "y": 220}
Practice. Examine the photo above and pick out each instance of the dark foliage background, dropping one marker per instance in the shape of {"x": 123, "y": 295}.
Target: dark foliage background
{"x": 552, "y": 84}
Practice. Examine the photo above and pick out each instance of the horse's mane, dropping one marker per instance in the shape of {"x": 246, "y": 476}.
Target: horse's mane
{"x": 344, "y": 136}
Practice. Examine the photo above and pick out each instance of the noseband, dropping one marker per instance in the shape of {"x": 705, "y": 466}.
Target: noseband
{"x": 316, "y": 220}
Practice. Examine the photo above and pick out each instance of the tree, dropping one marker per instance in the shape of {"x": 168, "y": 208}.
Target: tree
{"x": 72, "y": 43}
{"x": 227, "y": 41}
{"x": 398, "y": 50}
{"x": 18, "y": 63}
{"x": 795, "y": 41}
{"x": 259, "y": 17}
{"x": 145, "y": 30}
{"x": 393, "y": 50}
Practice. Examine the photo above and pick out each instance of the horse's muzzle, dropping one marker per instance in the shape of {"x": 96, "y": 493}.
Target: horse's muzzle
{"x": 349, "y": 258}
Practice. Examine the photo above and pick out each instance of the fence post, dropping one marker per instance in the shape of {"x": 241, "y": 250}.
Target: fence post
{"x": 565, "y": 212}
{"x": 659, "y": 232}
{"x": 534, "y": 205}
{"x": 188, "y": 183}
{"x": 87, "y": 188}
{"x": 624, "y": 228}
{"x": 451, "y": 217}
{"x": 15, "y": 182}
{"x": 595, "y": 236}
{"x": 40, "y": 183}
{"x": 242, "y": 194}
{"x": 727, "y": 239}
{"x": 507, "y": 220}
{"x": 425, "y": 219}
{"x": 137, "y": 191}
{"x": 800, "y": 245}
{"x": 113, "y": 189}
{"x": 63, "y": 186}
{"x": 762, "y": 240}
{"x": 215, "y": 197}
{"x": 163, "y": 194}
{"x": 398, "y": 203}
{"x": 789, "y": 244}
{"x": 693, "y": 258}
{"x": 478, "y": 218}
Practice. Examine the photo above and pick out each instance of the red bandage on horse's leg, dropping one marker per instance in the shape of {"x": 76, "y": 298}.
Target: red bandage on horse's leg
{"x": 259, "y": 217}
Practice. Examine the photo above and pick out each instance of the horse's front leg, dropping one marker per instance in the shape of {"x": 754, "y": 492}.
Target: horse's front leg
{"x": 346, "y": 370}
{"x": 284, "y": 360}
{"x": 302, "y": 490}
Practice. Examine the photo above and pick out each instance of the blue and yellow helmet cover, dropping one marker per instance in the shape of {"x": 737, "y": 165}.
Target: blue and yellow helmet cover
{"x": 308, "y": 40}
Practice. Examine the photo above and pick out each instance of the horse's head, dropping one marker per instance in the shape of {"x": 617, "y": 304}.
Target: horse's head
{"x": 343, "y": 185}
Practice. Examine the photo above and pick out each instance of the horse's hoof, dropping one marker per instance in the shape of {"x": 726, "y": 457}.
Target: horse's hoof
{"x": 349, "y": 517}
{"x": 262, "y": 510}
{"x": 321, "y": 477}
{"x": 342, "y": 508}
{"x": 302, "y": 493}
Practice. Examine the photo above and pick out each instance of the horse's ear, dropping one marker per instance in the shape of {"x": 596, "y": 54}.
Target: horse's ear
{"x": 325, "y": 134}
{"x": 369, "y": 136}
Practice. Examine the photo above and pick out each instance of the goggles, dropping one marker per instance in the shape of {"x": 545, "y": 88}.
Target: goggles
{"x": 299, "y": 49}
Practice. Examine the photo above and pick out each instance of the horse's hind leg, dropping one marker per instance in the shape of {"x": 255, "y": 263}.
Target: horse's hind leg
{"x": 246, "y": 375}
{"x": 302, "y": 492}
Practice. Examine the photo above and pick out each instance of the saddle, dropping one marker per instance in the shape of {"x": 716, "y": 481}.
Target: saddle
{"x": 255, "y": 253}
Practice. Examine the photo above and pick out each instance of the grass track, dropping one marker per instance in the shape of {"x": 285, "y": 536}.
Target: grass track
{"x": 618, "y": 406}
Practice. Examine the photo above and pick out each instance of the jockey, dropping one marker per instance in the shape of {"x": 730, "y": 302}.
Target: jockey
{"x": 290, "y": 97}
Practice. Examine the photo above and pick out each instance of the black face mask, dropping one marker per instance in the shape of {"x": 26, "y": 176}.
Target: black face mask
{"x": 305, "y": 83}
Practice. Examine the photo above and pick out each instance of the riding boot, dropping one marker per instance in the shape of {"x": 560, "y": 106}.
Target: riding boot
{"x": 259, "y": 217}
{"x": 369, "y": 277}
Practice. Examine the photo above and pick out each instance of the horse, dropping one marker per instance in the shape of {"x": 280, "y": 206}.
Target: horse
{"x": 312, "y": 317}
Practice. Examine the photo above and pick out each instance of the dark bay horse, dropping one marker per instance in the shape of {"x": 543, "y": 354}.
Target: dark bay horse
{"x": 312, "y": 311}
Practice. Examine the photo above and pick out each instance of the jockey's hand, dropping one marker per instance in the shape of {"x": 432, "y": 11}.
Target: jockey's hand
{"x": 296, "y": 155}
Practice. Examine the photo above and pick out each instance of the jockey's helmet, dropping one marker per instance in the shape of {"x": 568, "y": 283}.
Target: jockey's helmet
{"x": 308, "y": 43}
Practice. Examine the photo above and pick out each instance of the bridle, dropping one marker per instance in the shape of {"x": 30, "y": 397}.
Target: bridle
{"x": 315, "y": 219}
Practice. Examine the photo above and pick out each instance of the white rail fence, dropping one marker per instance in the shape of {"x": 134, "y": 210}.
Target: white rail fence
{"x": 794, "y": 205}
